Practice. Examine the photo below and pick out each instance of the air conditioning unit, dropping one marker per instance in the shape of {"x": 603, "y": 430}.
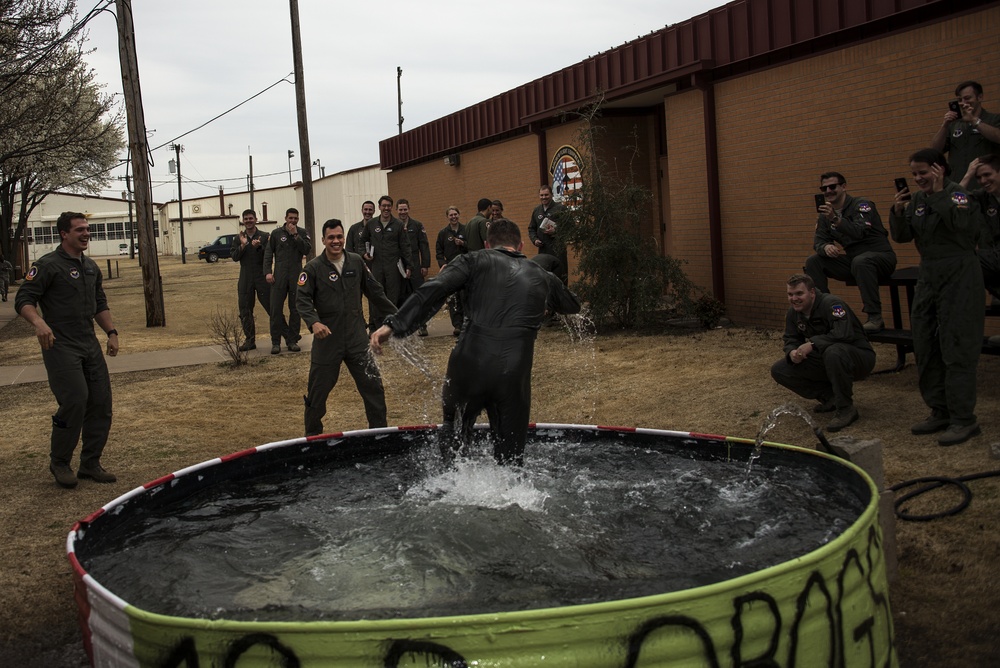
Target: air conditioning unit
{"x": 196, "y": 208}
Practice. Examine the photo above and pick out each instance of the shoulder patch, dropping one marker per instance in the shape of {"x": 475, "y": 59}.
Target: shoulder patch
{"x": 960, "y": 199}
{"x": 30, "y": 276}
{"x": 303, "y": 278}
{"x": 838, "y": 311}
{"x": 865, "y": 207}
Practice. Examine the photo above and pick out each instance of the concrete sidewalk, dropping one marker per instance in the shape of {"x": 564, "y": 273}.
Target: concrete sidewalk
{"x": 440, "y": 325}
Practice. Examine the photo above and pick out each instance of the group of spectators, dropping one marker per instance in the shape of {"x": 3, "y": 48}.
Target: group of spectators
{"x": 953, "y": 219}
{"x": 498, "y": 298}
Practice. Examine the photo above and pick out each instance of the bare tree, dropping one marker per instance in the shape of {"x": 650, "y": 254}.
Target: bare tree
{"x": 58, "y": 130}
{"x": 227, "y": 331}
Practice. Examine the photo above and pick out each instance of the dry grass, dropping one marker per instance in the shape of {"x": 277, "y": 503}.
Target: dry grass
{"x": 945, "y": 602}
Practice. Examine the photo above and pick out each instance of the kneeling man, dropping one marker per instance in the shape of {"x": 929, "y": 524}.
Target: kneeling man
{"x": 825, "y": 351}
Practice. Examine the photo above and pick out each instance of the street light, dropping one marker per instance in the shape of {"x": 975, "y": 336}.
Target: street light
{"x": 291, "y": 154}
{"x": 322, "y": 170}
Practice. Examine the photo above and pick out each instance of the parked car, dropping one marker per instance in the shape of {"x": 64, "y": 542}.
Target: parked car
{"x": 220, "y": 248}
{"x": 123, "y": 249}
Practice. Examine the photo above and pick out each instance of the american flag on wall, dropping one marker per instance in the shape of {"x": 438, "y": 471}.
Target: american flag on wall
{"x": 566, "y": 177}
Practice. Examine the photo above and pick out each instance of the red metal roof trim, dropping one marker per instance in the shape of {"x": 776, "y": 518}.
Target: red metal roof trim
{"x": 734, "y": 38}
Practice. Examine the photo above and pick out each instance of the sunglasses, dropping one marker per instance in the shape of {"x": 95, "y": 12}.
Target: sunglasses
{"x": 832, "y": 186}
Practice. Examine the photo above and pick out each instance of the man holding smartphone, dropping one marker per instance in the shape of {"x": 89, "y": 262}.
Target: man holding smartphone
{"x": 968, "y": 130}
{"x": 851, "y": 243}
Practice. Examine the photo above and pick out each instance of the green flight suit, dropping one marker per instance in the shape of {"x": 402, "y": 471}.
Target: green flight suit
{"x": 251, "y": 282}
{"x": 333, "y": 298}
{"x": 947, "y": 315}
{"x": 286, "y": 252}
{"x": 386, "y": 244}
{"x": 989, "y": 240}
{"x": 69, "y": 293}
{"x": 475, "y": 233}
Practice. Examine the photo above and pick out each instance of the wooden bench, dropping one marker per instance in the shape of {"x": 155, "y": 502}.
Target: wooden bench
{"x": 903, "y": 338}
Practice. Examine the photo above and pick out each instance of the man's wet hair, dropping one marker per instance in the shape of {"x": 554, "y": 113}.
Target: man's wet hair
{"x": 805, "y": 279}
{"x": 932, "y": 156}
{"x": 833, "y": 175}
{"x": 67, "y": 217}
{"x": 332, "y": 223}
{"x": 975, "y": 85}
{"x": 991, "y": 159}
{"x": 503, "y": 232}
{"x": 483, "y": 204}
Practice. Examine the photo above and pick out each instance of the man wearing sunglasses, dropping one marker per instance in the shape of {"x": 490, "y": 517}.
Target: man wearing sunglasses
{"x": 851, "y": 243}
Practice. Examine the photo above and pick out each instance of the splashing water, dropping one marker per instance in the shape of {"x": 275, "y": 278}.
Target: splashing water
{"x": 582, "y": 522}
{"x": 580, "y": 326}
{"x": 770, "y": 422}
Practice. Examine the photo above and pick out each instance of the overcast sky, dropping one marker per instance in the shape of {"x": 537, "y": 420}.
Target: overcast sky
{"x": 198, "y": 59}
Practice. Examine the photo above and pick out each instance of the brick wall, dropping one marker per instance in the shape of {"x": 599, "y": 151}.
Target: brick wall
{"x": 506, "y": 171}
{"x": 860, "y": 111}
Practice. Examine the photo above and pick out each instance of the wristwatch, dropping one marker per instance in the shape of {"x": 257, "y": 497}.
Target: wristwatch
{"x": 112, "y": 331}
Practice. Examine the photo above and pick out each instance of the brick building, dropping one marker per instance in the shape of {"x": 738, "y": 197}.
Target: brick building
{"x": 737, "y": 112}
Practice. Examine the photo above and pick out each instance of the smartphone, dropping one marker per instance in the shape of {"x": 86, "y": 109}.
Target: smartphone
{"x": 953, "y": 106}
{"x": 901, "y": 185}
{"x": 820, "y": 200}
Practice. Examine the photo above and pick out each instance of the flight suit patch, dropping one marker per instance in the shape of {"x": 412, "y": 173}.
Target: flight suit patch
{"x": 960, "y": 200}
{"x": 350, "y": 273}
{"x": 30, "y": 276}
{"x": 838, "y": 311}
{"x": 919, "y": 210}
{"x": 74, "y": 273}
{"x": 303, "y": 277}
{"x": 865, "y": 207}
{"x": 334, "y": 276}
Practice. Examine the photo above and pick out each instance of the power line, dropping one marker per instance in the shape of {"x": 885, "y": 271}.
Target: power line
{"x": 125, "y": 161}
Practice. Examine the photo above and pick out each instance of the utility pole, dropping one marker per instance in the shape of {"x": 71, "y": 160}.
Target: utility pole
{"x": 127, "y": 196}
{"x": 152, "y": 285}
{"x": 177, "y": 148}
{"x": 309, "y": 212}
{"x": 399, "y": 97}
{"x": 251, "y": 178}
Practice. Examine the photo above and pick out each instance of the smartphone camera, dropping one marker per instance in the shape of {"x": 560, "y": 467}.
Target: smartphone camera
{"x": 901, "y": 185}
{"x": 953, "y": 106}
{"x": 820, "y": 200}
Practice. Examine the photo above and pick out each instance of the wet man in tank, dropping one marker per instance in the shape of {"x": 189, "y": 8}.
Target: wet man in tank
{"x": 506, "y": 299}
{"x": 826, "y": 351}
